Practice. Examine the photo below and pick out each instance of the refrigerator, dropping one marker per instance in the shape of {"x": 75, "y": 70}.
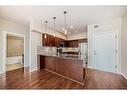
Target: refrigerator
{"x": 83, "y": 52}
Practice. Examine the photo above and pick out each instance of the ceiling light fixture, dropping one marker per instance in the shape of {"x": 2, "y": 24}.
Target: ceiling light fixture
{"x": 54, "y": 34}
{"x": 45, "y": 29}
{"x": 65, "y": 28}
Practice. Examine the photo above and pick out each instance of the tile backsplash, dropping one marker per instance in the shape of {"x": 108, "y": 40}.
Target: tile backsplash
{"x": 70, "y": 49}
{"x": 46, "y": 50}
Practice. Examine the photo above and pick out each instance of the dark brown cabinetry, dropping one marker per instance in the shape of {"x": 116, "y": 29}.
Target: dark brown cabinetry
{"x": 61, "y": 67}
{"x": 73, "y": 43}
{"x": 49, "y": 40}
{"x": 70, "y": 68}
{"x": 49, "y": 63}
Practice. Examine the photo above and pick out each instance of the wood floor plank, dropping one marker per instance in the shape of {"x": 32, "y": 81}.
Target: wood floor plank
{"x": 21, "y": 79}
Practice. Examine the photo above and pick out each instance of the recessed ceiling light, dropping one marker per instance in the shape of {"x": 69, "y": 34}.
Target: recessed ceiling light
{"x": 71, "y": 26}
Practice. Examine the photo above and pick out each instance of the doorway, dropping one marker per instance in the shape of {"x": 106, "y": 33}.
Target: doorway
{"x": 105, "y": 51}
{"x": 14, "y": 47}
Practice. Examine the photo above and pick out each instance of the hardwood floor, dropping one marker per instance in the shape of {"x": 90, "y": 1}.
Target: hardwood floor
{"x": 21, "y": 79}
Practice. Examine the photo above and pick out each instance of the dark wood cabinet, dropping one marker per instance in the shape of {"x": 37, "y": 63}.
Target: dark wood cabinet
{"x": 46, "y": 40}
{"x": 57, "y": 41}
{"x": 67, "y": 67}
{"x": 73, "y": 43}
{"x": 49, "y": 63}
{"x": 52, "y": 41}
{"x": 61, "y": 66}
{"x": 49, "y": 40}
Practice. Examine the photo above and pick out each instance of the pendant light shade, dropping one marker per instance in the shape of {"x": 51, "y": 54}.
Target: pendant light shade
{"x": 54, "y": 22}
{"x": 45, "y": 29}
{"x": 65, "y": 28}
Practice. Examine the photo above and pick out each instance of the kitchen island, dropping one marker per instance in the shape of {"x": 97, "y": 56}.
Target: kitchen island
{"x": 67, "y": 66}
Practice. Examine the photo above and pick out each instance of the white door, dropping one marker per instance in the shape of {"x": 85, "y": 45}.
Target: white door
{"x": 105, "y": 51}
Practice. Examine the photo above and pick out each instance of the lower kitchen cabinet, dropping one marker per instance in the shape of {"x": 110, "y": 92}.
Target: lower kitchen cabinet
{"x": 49, "y": 63}
{"x": 61, "y": 66}
{"x": 75, "y": 70}
{"x": 67, "y": 67}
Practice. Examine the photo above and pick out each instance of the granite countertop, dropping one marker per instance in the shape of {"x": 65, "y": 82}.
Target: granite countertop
{"x": 66, "y": 56}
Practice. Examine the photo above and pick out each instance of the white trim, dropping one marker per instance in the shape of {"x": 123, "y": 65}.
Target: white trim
{"x": 124, "y": 75}
{"x": 90, "y": 67}
{"x": 5, "y": 46}
{"x": 30, "y": 52}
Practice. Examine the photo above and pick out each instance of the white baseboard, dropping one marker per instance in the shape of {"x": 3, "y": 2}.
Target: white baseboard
{"x": 124, "y": 75}
{"x": 32, "y": 70}
{"x": 102, "y": 70}
{"x": 14, "y": 60}
{"x": 90, "y": 67}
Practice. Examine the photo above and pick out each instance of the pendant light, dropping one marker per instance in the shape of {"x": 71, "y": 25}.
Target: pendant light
{"x": 45, "y": 29}
{"x": 54, "y": 34}
{"x": 65, "y": 28}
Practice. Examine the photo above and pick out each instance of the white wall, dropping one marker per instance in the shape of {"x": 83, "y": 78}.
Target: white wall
{"x": 36, "y": 30}
{"x": 109, "y": 25}
{"x": 124, "y": 46}
{"x": 77, "y": 36}
{"x": 13, "y": 27}
{"x": 2, "y": 66}
{"x": 35, "y": 41}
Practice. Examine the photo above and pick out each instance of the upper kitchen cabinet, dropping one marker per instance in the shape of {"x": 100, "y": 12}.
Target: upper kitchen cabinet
{"x": 83, "y": 40}
{"x": 45, "y": 39}
{"x": 59, "y": 42}
{"x": 73, "y": 43}
{"x": 48, "y": 40}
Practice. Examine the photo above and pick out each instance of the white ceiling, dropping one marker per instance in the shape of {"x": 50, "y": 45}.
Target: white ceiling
{"x": 78, "y": 16}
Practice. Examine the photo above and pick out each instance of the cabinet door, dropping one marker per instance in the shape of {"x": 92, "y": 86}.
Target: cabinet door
{"x": 50, "y": 63}
{"x": 61, "y": 66}
{"x": 57, "y": 41}
{"x": 75, "y": 70}
{"x": 52, "y": 41}
{"x": 66, "y": 43}
{"x": 43, "y": 40}
{"x": 46, "y": 39}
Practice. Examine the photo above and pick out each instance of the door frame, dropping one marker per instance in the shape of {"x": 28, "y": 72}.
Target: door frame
{"x": 5, "y": 33}
{"x": 117, "y": 48}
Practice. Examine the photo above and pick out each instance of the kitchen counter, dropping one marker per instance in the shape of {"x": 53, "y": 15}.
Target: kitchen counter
{"x": 66, "y": 56}
{"x": 68, "y": 66}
